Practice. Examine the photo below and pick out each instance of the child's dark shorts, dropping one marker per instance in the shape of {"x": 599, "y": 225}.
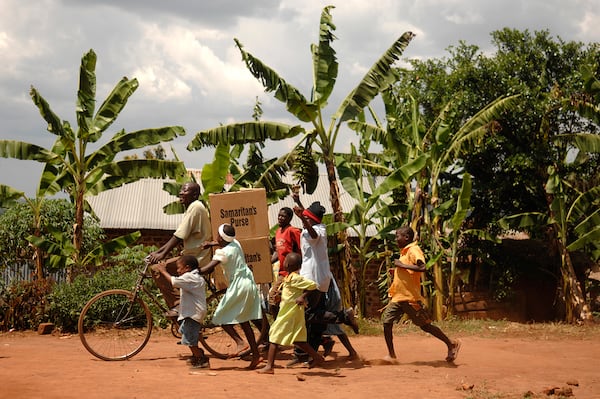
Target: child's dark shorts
{"x": 414, "y": 310}
{"x": 190, "y": 331}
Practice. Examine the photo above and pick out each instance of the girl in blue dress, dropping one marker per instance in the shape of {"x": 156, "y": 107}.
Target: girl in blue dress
{"x": 241, "y": 302}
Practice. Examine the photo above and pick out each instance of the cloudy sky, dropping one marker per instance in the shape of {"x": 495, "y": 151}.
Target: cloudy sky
{"x": 190, "y": 73}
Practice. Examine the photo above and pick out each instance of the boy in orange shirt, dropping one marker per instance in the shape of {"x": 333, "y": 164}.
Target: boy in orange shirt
{"x": 405, "y": 295}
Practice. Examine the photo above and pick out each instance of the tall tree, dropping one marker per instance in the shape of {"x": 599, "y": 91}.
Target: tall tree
{"x": 573, "y": 207}
{"x": 322, "y": 136}
{"x": 72, "y": 168}
{"x": 511, "y": 163}
{"x": 443, "y": 146}
{"x": 511, "y": 167}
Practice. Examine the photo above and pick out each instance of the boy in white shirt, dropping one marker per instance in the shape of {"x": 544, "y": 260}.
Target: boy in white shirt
{"x": 192, "y": 307}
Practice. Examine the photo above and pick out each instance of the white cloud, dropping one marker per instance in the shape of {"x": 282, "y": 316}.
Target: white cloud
{"x": 465, "y": 18}
{"x": 176, "y": 63}
{"x": 589, "y": 26}
{"x": 190, "y": 71}
{"x": 159, "y": 83}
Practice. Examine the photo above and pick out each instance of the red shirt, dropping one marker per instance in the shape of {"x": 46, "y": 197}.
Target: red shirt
{"x": 286, "y": 241}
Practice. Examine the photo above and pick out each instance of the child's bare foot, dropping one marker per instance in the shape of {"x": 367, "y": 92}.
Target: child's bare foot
{"x": 255, "y": 362}
{"x": 316, "y": 362}
{"x": 453, "y": 351}
{"x": 352, "y": 356}
{"x": 390, "y": 359}
{"x": 266, "y": 370}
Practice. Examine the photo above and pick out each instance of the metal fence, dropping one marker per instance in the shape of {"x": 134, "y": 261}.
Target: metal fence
{"x": 26, "y": 272}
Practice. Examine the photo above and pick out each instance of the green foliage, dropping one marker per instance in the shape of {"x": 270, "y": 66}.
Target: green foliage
{"x": 511, "y": 163}
{"x": 67, "y": 300}
{"x": 120, "y": 271}
{"x": 320, "y": 141}
{"x": 17, "y": 223}
{"x": 69, "y": 166}
{"x": 24, "y": 305}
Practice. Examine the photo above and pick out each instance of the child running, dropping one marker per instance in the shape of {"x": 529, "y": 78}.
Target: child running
{"x": 290, "y": 327}
{"x": 241, "y": 302}
{"x": 405, "y": 295}
{"x": 192, "y": 306}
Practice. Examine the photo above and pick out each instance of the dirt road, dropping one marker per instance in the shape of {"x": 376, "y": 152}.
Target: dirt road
{"x": 54, "y": 366}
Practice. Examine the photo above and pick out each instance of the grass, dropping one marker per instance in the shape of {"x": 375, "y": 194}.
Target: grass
{"x": 491, "y": 329}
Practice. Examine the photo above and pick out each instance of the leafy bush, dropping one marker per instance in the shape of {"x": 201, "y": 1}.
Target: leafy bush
{"x": 24, "y": 304}
{"x": 120, "y": 271}
{"x": 18, "y": 222}
{"x": 67, "y": 300}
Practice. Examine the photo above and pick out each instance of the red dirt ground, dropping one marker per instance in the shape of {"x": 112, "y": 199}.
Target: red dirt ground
{"x": 55, "y": 366}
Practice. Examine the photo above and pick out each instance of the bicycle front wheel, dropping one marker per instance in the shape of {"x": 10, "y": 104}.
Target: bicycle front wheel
{"x": 115, "y": 325}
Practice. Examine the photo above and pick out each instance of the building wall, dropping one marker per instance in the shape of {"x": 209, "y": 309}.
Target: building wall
{"x": 149, "y": 237}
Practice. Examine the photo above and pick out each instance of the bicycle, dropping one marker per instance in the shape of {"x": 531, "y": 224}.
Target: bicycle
{"x": 117, "y": 324}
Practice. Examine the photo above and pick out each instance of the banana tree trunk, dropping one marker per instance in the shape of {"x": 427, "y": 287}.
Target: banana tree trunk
{"x": 576, "y": 308}
{"x": 38, "y": 253}
{"x": 77, "y": 235}
{"x": 39, "y": 263}
{"x": 452, "y": 284}
{"x": 346, "y": 277}
{"x": 438, "y": 275}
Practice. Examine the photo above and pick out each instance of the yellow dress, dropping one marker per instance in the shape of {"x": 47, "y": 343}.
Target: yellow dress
{"x": 290, "y": 326}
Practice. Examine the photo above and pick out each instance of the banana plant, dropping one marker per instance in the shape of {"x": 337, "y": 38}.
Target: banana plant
{"x": 455, "y": 231}
{"x": 60, "y": 249}
{"x": 373, "y": 210}
{"x": 72, "y": 168}
{"x": 574, "y": 217}
{"x": 408, "y": 138}
{"x": 573, "y": 205}
{"x": 256, "y": 172}
{"x": 321, "y": 137}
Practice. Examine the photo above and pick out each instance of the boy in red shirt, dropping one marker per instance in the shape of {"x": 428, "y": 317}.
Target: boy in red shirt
{"x": 287, "y": 240}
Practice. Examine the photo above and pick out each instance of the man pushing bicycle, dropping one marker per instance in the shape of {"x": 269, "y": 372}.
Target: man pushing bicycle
{"x": 192, "y": 232}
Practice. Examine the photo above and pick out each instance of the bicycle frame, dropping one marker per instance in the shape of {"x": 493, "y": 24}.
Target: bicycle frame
{"x": 116, "y": 324}
{"x": 139, "y": 286}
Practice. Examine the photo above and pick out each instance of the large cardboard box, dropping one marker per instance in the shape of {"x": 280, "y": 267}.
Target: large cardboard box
{"x": 258, "y": 257}
{"x": 245, "y": 210}
{"x": 257, "y": 253}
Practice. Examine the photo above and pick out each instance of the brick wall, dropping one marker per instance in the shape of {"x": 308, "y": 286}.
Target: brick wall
{"x": 372, "y": 301}
{"x": 149, "y": 237}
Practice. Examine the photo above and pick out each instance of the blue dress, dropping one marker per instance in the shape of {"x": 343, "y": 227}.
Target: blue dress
{"x": 241, "y": 301}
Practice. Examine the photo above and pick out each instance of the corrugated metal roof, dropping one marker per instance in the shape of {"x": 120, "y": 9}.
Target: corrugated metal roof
{"x": 135, "y": 205}
{"x": 139, "y": 205}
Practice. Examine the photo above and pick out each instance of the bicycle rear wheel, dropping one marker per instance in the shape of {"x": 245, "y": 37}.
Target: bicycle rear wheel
{"x": 115, "y": 326}
{"x": 219, "y": 343}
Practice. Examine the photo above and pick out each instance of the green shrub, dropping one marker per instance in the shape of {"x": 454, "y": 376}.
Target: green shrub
{"x": 18, "y": 222}
{"x": 120, "y": 272}
{"x": 67, "y": 300}
{"x": 26, "y": 304}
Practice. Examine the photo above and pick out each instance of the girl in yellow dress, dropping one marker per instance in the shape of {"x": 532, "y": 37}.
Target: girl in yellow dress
{"x": 290, "y": 327}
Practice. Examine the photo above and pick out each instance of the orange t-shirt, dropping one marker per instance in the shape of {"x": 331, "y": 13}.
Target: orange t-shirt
{"x": 406, "y": 285}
